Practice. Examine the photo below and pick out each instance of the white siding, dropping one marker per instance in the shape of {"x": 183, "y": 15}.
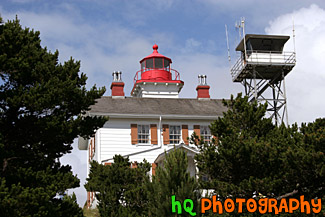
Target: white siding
{"x": 158, "y": 90}
{"x": 115, "y": 138}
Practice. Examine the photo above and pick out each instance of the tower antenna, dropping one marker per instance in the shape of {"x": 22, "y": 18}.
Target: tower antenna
{"x": 243, "y": 27}
{"x": 238, "y": 27}
{"x": 229, "y": 58}
{"x": 293, "y": 35}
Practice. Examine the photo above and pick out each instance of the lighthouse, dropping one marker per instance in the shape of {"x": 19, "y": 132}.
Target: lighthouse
{"x": 153, "y": 120}
{"x": 156, "y": 78}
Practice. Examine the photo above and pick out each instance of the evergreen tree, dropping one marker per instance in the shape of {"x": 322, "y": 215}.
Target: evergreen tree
{"x": 251, "y": 156}
{"x": 42, "y": 110}
{"x": 172, "y": 178}
{"x": 119, "y": 188}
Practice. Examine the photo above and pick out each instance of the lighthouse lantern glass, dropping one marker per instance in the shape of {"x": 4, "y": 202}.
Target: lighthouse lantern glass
{"x": 143, "y": 65}
{"x": 166, "y": 64}
{"x": 149, "y": 63}
{"x": 158, "y": 63}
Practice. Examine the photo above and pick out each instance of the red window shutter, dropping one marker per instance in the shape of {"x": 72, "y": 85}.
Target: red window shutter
{"x": 88, "y": 199}
{"x": 134, "y": 134}
{"x": 154, "y": 169}
{"x": 166, "y": 134}
{"x": 134, "y": 164}
{"x": 153, "y": 129}
{"x": 197, "y": 130}
{"x": 216, "y": 139}
{"x": 185, "y": 134}
{"x": 108, "y": 164}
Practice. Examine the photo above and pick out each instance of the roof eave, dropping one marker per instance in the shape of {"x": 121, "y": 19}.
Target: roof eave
{"x": 154, "y": 116}
{"x": 240, "y": 46}
{"x": 161, "y": 156}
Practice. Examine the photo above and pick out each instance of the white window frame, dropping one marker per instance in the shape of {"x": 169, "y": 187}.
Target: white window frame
{"x": 144, "y": 134}
{"x": 205, "y": 133}
{"x": 175, "y": 141}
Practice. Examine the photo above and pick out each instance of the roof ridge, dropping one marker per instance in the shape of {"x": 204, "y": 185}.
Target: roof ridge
{"x": 148, "y": 98}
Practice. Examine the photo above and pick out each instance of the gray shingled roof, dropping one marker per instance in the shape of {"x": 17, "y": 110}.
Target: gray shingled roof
{"x": 157, "y": 106}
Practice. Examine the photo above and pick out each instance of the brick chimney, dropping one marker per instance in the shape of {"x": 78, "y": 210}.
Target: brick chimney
{"x": 202, "y": 88}
{"x": 117, "y": 85}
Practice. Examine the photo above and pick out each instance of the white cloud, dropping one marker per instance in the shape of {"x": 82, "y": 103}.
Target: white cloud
{"x": 191, "y": 45}
{"x": 305, "y": 84}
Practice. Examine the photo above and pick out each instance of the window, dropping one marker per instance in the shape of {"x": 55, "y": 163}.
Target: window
{"x": 143, "y": 65}
{"x": 143, "y": 134}
{"x": 158, "y": 63}
{"x": 174, "y": 134}
{"x": 166, "y": 63}
{"x": 205, "y": 133}
{"x": 149, "y": 63}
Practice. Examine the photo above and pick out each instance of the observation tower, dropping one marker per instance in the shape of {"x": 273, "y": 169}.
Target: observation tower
{"x": 262, "y": 68}
{"x": 156, "y": 78}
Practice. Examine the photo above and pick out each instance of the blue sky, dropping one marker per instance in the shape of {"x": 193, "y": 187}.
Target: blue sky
{"x": 116, "y": 34}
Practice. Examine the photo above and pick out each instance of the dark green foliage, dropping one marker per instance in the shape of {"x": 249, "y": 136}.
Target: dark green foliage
{"x": 124, "y": 191}
{"x": 172, "y": 178}
{"x": 42, "y": 103}
{"x": 119, "y": 188}
{"x": 251, "y": 155}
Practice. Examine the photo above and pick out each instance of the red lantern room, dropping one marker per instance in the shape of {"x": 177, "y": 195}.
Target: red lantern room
{"x": 156, "y": 66}
{"x": 156, "y": 78}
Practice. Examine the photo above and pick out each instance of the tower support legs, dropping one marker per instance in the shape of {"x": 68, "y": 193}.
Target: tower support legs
{"x": 270, "y": 91}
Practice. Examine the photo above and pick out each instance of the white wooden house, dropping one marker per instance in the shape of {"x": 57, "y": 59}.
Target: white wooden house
{"x": 153, "y": 119}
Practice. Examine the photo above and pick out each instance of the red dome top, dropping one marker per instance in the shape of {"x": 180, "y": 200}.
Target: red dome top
{"x": 155, "y": 54}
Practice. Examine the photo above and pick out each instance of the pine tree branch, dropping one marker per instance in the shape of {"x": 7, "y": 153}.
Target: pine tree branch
{"x": 287, "y": 195}
{"x": 5, "y": 163}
